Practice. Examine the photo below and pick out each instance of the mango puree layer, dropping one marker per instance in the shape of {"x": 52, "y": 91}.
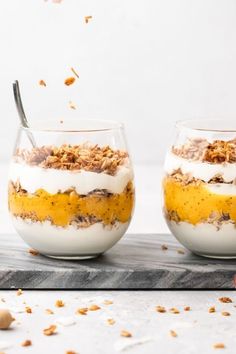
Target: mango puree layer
{"x": 62, "y": 208}
{"x": 194, "y": 203}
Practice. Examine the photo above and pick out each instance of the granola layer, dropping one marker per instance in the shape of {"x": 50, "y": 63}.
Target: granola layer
{"x": 63, "y": 209}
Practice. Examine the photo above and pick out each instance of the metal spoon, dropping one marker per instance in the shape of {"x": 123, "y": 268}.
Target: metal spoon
{"x": 20, "y": 109}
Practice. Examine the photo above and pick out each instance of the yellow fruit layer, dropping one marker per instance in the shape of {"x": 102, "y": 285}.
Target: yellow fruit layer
{"x": 194, "y": 203}
{"x": 62, "y": 208}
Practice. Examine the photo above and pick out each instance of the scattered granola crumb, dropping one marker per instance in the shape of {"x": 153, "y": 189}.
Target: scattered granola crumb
{"x": 82, "y": 311}
{"x": 174, "y": 310}
{"x": 61, "y": 121}
{"x": 26, "y": 343}
{"x": 125, "y": 334}
{"x": 50, "y": 330}
{"x": 225, "y": 313}
{"x": 49, "y": 312}
{"x": 225, "y": 300}
{"x": 108, "y": 302}
{"x": 187, "y": 308}
{"x": 94, "y": 308}
{"x": 19, "y": 292}
{"x": 110, "y": 321}
{"x": 59, "y": 303}
{"x": 74, "y": 72}
{"x": 219, "y": 346}
{"x": 160, "y": 309}
{"x": 28, "y": 309}
{"x": 3, "y": 300}
{"x": 180, "y": 251}
{"x": 71, "y": 352}
{"x": 69, "y": 81}
{"x": 5, "y": 319}
{"x": 173, "y": 334}
{"x": 87, "y": 18}
{"x": 72, "y": 105}
{"x": 164, "y": 248}
{"x": 33, "y": 252}
{"x": 212, "y": 309}
{"x": 42, "y": 83}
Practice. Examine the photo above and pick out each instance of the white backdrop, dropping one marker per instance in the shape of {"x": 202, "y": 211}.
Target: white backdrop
{"x": 144, "y": 62}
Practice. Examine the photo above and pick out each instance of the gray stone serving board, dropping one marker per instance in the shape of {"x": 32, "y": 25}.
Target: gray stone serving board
{"x": 136, "y": 262}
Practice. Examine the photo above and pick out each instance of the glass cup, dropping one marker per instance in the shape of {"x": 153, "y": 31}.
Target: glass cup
{"x": 71, "y": 187}
{"x": 199, "y": 187}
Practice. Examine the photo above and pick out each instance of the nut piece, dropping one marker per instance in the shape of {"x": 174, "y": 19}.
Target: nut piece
{"x": 212, "y": 309}
{"x": 225, "y": 313}
{"x": 173, "y": 334}
{"x": 82, "y": 311}
{"x": 94, "y": 308}
{"x": 50, "y": 330}
{"x": 225, "y": 300}
{"x": 125, "y": 334}
{"x": 5, "y": 319}
{"x": 26, "y": 343}
{"x": 59, "y": 303}
{"x": 219, "y": 346}
{"x": 160, "y": 309}
{"x": 69, "y": 81}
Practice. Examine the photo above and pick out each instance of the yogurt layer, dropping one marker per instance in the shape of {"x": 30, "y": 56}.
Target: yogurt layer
{"x": 32, "y": 178}
{"x": 69, "y": 241}
{"x": 200, "y": 170}
{"x": 205, "y": 238}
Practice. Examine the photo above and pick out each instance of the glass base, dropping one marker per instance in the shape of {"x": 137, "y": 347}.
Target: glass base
{"x": 215, "y": 256}
{"x": 74, "y": 258}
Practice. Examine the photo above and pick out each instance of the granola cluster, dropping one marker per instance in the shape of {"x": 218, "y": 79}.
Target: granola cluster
{"x": 76, "y": 157}
{"x": 219, "y": 151}
{"x": 187, "y": 178}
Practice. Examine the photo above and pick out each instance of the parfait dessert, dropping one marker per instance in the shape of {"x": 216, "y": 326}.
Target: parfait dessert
{"x": 200, "y": 187}
{"x": 71, "y": 201}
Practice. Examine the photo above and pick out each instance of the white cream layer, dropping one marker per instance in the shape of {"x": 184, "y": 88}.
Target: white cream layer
{"x": 70, "y": 241}
{"x": 206, "y": 238}
{"x": 52, "y": 180}
{"x": 200, "y": 170}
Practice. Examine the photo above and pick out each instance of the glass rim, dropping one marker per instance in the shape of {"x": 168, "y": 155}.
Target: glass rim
{"x": 214, "y": 125}
{"x": 77, "y": 126}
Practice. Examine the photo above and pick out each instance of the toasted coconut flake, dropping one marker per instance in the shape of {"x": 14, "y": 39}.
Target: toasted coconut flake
{"x": 125, "y": 334}
{"x": 69, "y": 81}
{"x": 26, "y": 343}
{"x": 225, "y": 300}
{"x": 33, "y": 252}
{"x": 51, "y": 330}
{"x": 219, "y": 346}
{"x": 87, "y": 18}
{"x": 42, "y": 83}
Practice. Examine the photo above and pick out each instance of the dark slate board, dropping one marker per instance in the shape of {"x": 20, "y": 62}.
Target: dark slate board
{"x": 136, "y": 262}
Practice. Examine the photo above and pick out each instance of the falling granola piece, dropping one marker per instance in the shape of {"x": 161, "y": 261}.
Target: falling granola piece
{"x": 225, "y": 300}
{"x": 110, "y": 321}
{"x": 69, "y": 81}
{"x": 94, "y": 308}
{"x": 42, "y": 83}
{"x": 26, "y": 343}
{"x": 219, "y": 346}
{"x": 33, "y": 252}
{"x": 59, "y": 303}
{"x": 28, "y": 309}
{"x": 51, "y": 330}
{"x": 87, "y": 18}
{"x": 160, "y": 309}
{"x": 173, "y": 334}
{"x": 125, "y": 334}
{"x": 212, "y": 309}
{"x": 82, "y": 311}
{"x": 74, "y": 72}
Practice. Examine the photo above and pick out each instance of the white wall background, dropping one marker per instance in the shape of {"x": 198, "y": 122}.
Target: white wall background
{"x": 144, "y": 62}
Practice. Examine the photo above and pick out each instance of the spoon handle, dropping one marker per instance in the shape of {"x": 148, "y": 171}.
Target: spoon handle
{"x": 21, "y": 112}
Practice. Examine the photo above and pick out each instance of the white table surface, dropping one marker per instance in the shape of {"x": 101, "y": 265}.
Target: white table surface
{"x": 197, "y": 330}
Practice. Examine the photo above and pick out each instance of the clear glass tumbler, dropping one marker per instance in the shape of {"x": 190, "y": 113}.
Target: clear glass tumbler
{"x": 71, "y": 187}
{"x": 200, "y": 187}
